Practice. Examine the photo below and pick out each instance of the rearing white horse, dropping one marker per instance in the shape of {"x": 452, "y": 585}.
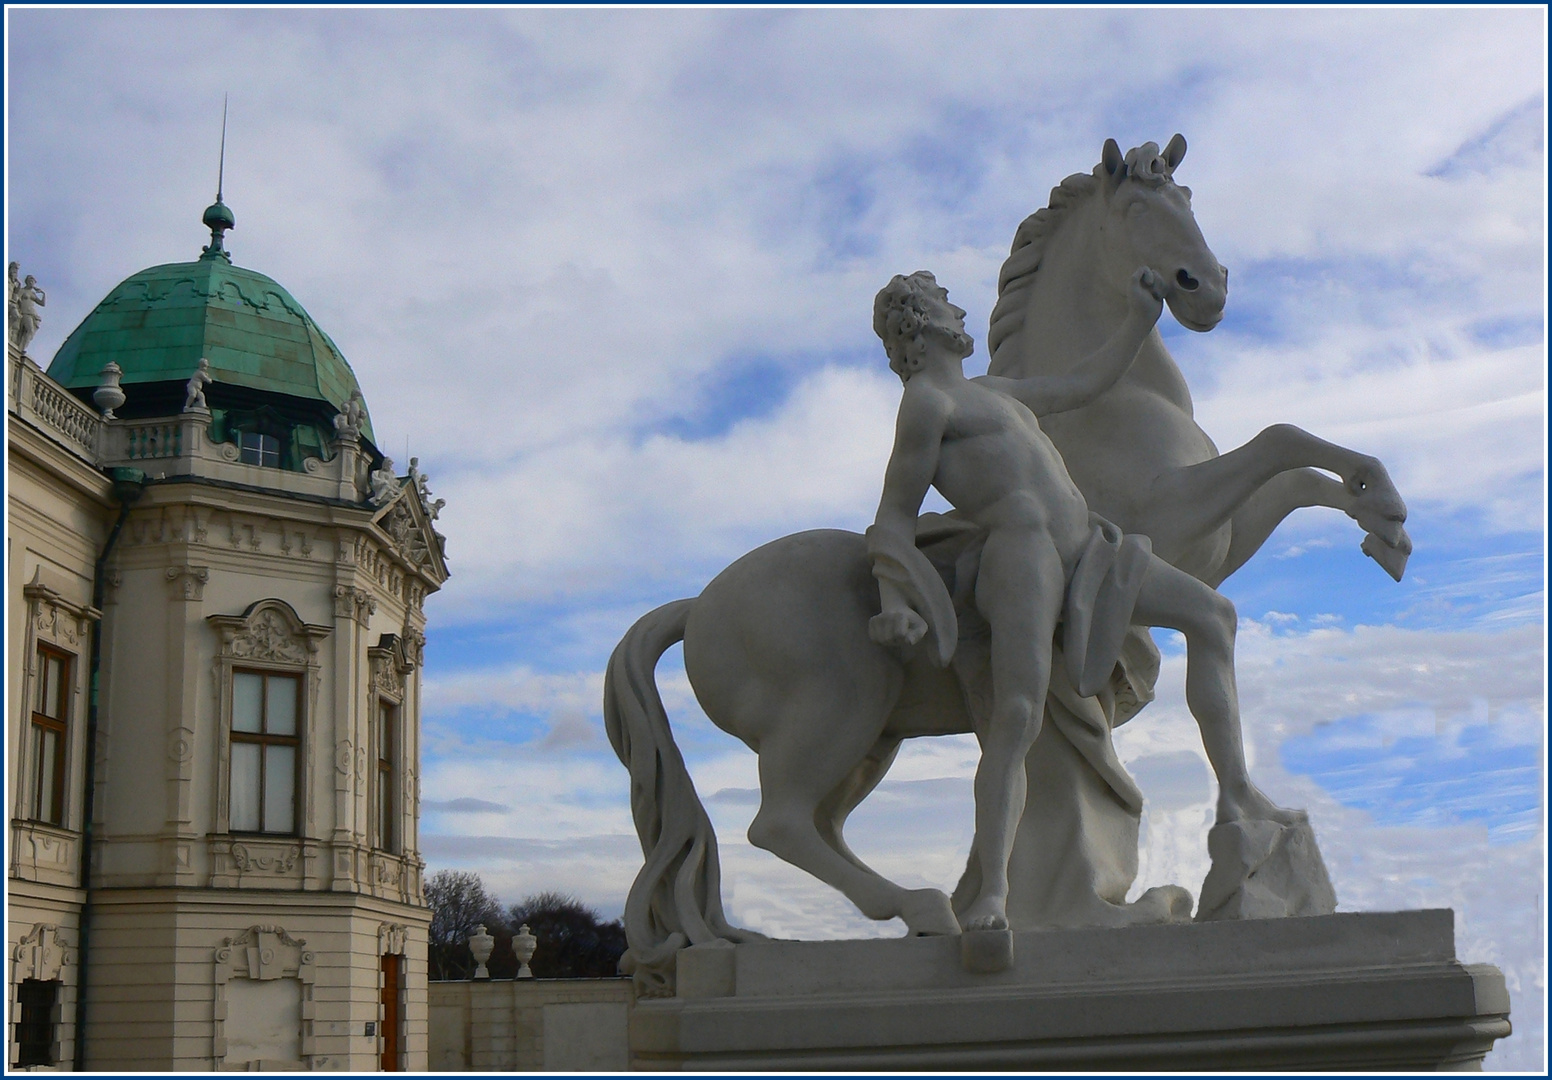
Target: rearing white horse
{"x": 1135, "y": 452}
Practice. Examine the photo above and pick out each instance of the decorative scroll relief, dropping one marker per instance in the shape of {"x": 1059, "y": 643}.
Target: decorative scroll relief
{"x": 390, "y": 666}
{"x": 51, "y": 850}
{"x": 353, "y": 603}
{"x": 252, "y": 860}
{"x": 41, "y": 954}
{"x": 414, "y": 644}
{"x": 56, "y": 619}
{"x": 391, "y": 939}
{"x": 188, "y": 582}
{"x": 270, "y": 631}
{"x": 386, "y": 678}
{"x": 180, "y": 745}
{"x": 262, "y": 1020}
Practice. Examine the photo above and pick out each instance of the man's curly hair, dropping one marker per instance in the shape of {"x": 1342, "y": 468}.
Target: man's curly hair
{"x": 900, "y": 314}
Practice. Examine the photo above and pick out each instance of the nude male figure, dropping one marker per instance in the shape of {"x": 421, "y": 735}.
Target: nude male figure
{"x": 979, "y": 443}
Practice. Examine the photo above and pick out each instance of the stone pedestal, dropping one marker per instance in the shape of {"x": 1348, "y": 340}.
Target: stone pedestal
{"x": 1329, "y": 992}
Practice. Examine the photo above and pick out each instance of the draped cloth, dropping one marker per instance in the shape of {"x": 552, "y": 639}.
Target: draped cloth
{"x": 1104, "y": 669}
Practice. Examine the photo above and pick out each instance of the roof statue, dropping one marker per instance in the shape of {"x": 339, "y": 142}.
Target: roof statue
{"x": 385, "y": 484}
{"x": 1088, "y": 506}
{"x": 23, "y": 299}
{"x": 195, "y": 391}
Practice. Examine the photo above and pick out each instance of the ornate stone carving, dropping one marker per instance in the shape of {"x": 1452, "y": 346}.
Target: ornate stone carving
{"x": 268, "y": 631}
{"x": 414, "y": 645}
{"x": 354, "y": 603}
{"x": 42, "y": 953}
{"x": 343, "y": 752}
{"x": 279, "y": 861}
{"x": 55, "y": 618}
{"x": 391, "y": 939}
{"x": 188, "y": 582}
{"x": 400, "y": 524}
{"x": 386, "y": 680}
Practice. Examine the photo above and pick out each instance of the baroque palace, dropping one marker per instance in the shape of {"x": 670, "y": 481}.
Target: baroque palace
{"x": 215, "y": 622}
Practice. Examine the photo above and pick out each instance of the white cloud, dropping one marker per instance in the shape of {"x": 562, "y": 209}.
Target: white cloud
{"x": 541, "y": 236}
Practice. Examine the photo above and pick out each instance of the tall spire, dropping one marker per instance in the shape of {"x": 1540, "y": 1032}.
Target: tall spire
{"x": 218, "y": 216}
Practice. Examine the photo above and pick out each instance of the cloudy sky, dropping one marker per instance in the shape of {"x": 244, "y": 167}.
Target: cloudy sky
{"x": 609, "y": 275}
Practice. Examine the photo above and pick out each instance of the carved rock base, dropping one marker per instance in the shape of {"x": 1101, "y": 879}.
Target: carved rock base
{"x": 1262, "y": 870}
{"x": 986, "y": 951}
{"x": 1333, "y": 992}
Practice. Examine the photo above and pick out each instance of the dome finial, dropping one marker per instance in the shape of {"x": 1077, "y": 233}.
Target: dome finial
{"x": 218, "y": 216}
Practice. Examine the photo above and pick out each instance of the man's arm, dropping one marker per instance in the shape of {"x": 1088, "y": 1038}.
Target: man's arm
{"x": 1046, "y": 394}
{"x": 913, "y": 463}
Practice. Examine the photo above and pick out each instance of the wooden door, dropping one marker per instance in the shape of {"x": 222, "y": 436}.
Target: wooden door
{"x": 390, "y": 1033}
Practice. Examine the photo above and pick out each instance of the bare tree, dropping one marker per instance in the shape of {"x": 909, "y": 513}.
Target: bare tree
{"x": 574, "y": 941}
{"x": 459, "y": 904}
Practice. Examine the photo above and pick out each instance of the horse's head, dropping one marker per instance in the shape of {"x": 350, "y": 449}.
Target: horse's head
{"x": 1148, "y": 222}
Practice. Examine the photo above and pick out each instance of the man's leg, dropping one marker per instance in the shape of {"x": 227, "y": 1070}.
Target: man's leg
{"x": 1019, "y": 591}
{"x": 1175, "y": 599}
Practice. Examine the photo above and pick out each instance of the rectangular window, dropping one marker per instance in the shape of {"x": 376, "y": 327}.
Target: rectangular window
{"x": 264, "y": 752}
{"x": 50, "y": 714}
{"x": 35, "y": 1025}
{"x": 257, "y": 449}
{"x": 387, "y": 805}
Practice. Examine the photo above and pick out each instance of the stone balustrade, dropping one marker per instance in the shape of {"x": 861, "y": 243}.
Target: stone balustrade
{"x": 39, "y": 400}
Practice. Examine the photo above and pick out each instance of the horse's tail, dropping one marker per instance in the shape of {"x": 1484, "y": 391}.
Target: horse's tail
{"x": 677, "y": 898}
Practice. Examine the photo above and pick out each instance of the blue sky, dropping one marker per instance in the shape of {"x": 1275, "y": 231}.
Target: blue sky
{"x": 611, "y": 273}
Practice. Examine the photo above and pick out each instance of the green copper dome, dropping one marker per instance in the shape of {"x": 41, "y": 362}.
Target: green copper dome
{"x": 157, "y": 324}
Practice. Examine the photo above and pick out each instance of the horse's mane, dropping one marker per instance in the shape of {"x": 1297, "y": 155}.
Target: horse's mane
{"x": 1029, "y": 242}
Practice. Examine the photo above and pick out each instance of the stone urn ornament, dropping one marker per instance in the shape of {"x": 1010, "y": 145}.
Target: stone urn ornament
{"x": 523, "y": 944}
{"x": 480, "y": 944}
{"x": 109, "y": 395}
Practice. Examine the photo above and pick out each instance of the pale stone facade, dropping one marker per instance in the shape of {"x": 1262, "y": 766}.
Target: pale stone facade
{"x": 253, "y": 892}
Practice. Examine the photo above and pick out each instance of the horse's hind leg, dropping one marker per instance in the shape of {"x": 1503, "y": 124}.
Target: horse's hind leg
{"x": 813, "y": 770}
{"x": 836, "y": 807}
{"x": 923, "y": 907}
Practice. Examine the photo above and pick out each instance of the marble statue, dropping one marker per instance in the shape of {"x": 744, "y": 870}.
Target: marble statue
{"x": 194, "y": 395}
{"x": 1044, "y": 561}
{"x": 385, "y": 485}
{"x": 422, "y": 481}
{"x": 1109, "y": 513}
{"x": 1141, "y": 461}
{"x": 349, "y": 420}
{"x": 23, "y": 299}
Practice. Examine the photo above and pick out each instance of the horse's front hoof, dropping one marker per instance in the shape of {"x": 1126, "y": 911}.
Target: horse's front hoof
{"x": 1392, "y": 557}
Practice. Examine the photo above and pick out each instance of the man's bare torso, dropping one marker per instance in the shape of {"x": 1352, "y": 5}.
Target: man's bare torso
{"x": 999, "y": 469}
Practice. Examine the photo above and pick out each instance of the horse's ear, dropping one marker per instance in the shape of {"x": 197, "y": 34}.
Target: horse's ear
{"x": 1112, "y": 160}
{"x": 1175, "y": 152}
